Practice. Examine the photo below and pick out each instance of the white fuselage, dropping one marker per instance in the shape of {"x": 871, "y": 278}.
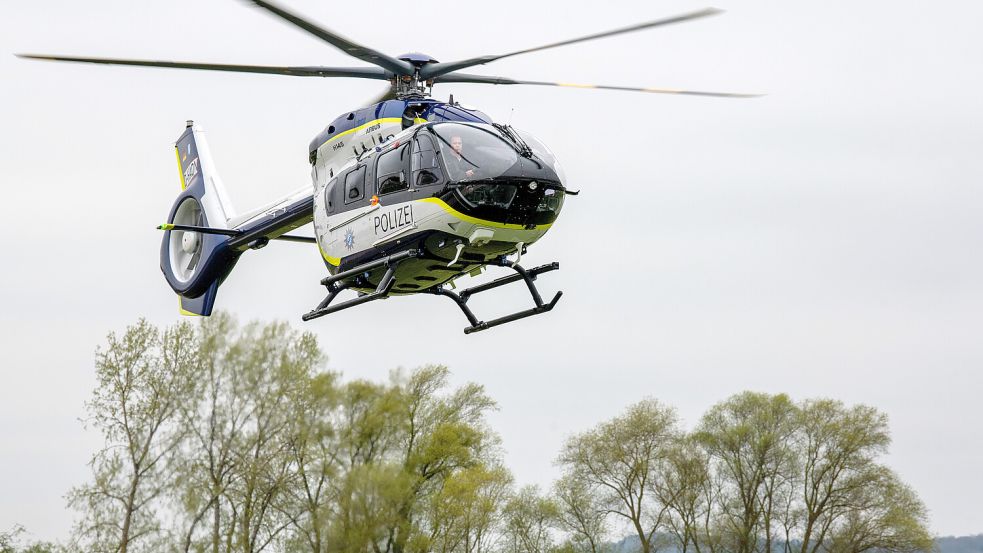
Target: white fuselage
{"x": 379, "y": 224}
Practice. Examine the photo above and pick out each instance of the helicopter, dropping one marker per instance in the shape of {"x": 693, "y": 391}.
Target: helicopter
{"x": 408, "y": 194}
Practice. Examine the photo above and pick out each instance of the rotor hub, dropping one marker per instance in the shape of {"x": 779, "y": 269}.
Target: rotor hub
{"x": 190, "y": 242}
{"x": 417, "y": 59}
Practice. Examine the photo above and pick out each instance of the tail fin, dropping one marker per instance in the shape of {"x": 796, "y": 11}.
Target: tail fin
{"x": 196, "y": 263}
{"x": 197, "y": 168}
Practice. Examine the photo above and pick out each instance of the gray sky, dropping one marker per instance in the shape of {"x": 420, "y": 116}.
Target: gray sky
{"x": 822, "y": 241}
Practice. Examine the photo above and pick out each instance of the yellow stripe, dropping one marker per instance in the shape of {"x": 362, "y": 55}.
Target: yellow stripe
{"x": 475, "y": 221}
{"x": 180, "y": 169}
{"x": 180, "y": 308}
{"x": 360, "y": 127}
{"x": 575, "y": 85}
{"x": 336, "y": 261}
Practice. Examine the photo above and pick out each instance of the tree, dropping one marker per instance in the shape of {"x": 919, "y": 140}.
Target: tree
{"x": 465, "y": 512}
{"x": 10, "y": 542}
{"x": 369, "y": 505}
{"x": 314, "y": 455}
{"x": 399, "y": 446}
{"x": 529, "y": 519}
{"x": 231, "y": 483}
{"x": 9, "y": 539}
{"x": 838, "y": 451}
{"x": 213, "y": 418}
{"x": 228, "y": 438}
{"x": 685, "y": 485}
{"x": 617, "y": 460}
{"x": 367, "y": 432}
{"x": 141, "y": 377}
{"x": 580, "y": 514}
{"x": 440, "y": 436}
{"x": 807, "y": 477}
{"x": 885, "y": 516}
{"x": 274, "y": 363}
{"x": 750, "y": 439}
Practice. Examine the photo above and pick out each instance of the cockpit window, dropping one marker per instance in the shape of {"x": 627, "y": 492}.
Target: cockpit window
{"x": 426, "y": 170}
{"x": 329, "y": 195}
{"x": 473, "y": 152}
{"x": 355, "y": 185}
{"x": 543, "y": 153}
{"x": 391, "y": 171}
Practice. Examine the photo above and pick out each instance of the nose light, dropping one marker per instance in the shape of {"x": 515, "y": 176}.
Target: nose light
{"x": 533, "y": 185}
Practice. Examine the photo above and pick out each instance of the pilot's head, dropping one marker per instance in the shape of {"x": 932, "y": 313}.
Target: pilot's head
{"x": 457, "y": 144}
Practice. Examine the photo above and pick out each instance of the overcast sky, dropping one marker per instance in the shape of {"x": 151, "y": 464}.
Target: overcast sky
{"x": 824, "y": 240}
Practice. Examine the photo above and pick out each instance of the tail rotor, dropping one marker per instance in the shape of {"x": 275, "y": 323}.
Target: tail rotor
{"x": 195, "y": 263}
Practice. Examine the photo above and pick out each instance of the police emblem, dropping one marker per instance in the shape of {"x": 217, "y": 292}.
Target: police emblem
{"x": 349, "y": 239}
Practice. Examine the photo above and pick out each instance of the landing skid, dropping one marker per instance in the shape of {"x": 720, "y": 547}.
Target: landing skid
{"x": 521, "y": 274}
{"x": 355, "y": 279}
{"x": 335, "y": 286}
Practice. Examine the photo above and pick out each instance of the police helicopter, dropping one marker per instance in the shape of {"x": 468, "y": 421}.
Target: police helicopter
{"x": 409, "y": 193}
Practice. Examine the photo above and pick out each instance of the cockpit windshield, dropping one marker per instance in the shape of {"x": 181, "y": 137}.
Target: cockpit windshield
{"x": 543, "y": 153}
{"x": 473, "y": 151}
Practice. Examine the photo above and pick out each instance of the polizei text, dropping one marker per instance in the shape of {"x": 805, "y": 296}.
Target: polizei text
{"x": 394, "y": 219}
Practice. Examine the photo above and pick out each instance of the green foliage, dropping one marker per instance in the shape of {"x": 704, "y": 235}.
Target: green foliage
{"x": 223, "y": 437}
{"x": 760, "y": 473}
{"x": 238, "y": 436}
{"x": 142, "y": 376}
{"x": 838, "y": 451}
{"x": 9, "y": 538}
{"x": 10, "y": 543}
{"x": 529, "y": 519}
{"x": 885, "y": 515}
{"x": 617, "y": 462}
{"x": 464, "y": 514}
{"x": 750, "y": 439}
{"x": 581, "y": 515}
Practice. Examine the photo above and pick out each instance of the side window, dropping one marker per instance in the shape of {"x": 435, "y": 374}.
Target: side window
{"x": 426, "y": 171}
{"x": 329, "y": 196}
{"x": 391, "y": 171}
{"x": 355, "y": 185}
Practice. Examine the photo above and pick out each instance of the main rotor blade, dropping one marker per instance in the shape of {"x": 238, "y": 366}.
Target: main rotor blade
{"x": 437, "y": 69}
{"x": 468, "y": 78}
{"x": 310, "y": 71}
{"x": 363, "y": 53}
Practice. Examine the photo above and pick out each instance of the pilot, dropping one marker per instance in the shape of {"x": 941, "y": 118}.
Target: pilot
{"x": 457, "y": 160}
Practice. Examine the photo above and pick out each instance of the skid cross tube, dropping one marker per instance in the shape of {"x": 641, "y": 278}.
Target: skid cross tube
{"x": 521, "y": 274}
{"x": 462, "y": 303}
{"x": 355, "y": 271}
{"x": 381, "y": 291}
{"x": 530, "y": 273}
{"x": 335, "y": 290}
